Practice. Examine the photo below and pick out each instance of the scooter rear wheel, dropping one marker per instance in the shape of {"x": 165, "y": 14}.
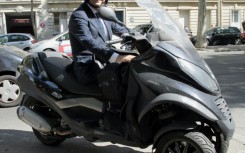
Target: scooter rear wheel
{"x": 48, "y": 139}
{"x": 181, "y": 142}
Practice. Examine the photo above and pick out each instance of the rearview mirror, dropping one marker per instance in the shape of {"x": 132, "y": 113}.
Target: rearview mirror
{"x": 108, "y": 14}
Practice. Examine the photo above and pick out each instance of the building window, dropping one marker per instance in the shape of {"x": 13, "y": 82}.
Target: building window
{"x": 184, "y": 18}
{"x": 56, "y": 23}
{"x": 120, "y": 15}
{"x": 235, "y": 18}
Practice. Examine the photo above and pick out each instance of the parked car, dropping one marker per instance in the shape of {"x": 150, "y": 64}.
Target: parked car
{"x": 144, "y": 28}
{"x": 148, "y": 27}
{"x": 221, "y": 36}
{"x": 20, "y": 40}
{"x": 10, "y": 58}
{"x": 59, "y": 43}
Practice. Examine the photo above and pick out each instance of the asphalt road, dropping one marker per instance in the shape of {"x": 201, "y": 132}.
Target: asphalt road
{"x": 228, "y": 67}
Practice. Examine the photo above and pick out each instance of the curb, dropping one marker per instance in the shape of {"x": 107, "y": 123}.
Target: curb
{"x": 225, "y": 48}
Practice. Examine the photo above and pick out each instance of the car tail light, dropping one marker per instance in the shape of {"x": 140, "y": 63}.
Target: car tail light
{"x": 33, "y": 41}
{"x": 243, "y": 35}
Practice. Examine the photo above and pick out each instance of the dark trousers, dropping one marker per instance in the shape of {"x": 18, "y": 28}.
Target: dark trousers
{"x": 112, "y": 79}
{"x": 86, "y": 73}
{"x": 113, "y": 82}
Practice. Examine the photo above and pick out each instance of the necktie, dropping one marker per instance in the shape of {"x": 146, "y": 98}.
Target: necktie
{"x": 100, "y": 24}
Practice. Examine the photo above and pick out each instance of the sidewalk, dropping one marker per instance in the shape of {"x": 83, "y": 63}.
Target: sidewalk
{"x": 237, "y": 143}
{"x": 223, "y": 48}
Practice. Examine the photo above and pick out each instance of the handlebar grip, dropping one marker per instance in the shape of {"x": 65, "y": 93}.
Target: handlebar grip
{"x": 114, "y": 41}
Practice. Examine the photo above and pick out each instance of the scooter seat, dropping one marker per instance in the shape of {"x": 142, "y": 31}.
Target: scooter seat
{"x": 60, "y": 71}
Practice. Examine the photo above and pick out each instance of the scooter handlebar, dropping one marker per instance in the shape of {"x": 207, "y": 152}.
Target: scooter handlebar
{"x": 114, "y": 41}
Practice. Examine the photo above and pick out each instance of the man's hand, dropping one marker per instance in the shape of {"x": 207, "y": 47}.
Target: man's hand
{"x": 127, "y": 38}
{"x": 124, "y": 58}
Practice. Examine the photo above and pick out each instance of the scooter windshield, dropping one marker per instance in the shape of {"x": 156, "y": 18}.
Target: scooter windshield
{"x": 170, "y": 31}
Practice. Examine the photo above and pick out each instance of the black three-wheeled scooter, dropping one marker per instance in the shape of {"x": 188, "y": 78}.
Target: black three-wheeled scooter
{"x": 172, "y": 99}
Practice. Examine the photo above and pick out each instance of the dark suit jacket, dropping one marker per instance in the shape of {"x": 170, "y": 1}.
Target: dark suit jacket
{"x": 85, "y": 35}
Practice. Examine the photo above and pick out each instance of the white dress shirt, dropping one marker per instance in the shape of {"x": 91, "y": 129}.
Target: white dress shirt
{"x": 114, "y": 56}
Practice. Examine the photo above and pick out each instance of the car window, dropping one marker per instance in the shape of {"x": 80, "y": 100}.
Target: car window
{"x": 219, "y": 31}
{"x": 210, "y": 32}
{"x": 226, "y": 31}
{"x": 145, "y": 28}
{"x": 24, "y": 38}
{"x": 233, "y": 30}
{"x": 66, "y": 36}
{"x": 151, "y": 28}
{"x": 63, "y": 37}
{"x": 3, "y": 39}
{"x": 137, "y": 28}
{"x": 14, "y": 38}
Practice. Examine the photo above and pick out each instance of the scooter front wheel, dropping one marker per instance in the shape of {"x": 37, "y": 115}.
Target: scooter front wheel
{"x": 181, "y": 142}
{"x": 48, "y": 139}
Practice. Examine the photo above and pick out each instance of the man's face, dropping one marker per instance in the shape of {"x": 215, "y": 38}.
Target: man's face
{"x": 97, "y": 3}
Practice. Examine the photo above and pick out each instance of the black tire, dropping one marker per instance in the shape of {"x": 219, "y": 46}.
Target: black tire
{"x": 10, "y": 93}
{"x": 26, "y": 49}
{"x": 48, "y": 139}
{"x": 207, "y": 42}
{"x": 181, "y": 142}
{"x": 49, "y": 50}
{"x": 237, "y": 42}
{"x": 224, "y": 147}
{"x": 216, "y": 42}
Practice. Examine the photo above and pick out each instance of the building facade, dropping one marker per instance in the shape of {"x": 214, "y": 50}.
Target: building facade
{"x": 52, "y": 16}
{"x": 15, "y": 15}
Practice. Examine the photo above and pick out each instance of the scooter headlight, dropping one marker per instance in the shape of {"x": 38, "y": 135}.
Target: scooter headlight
{"x": 199, "y": 75}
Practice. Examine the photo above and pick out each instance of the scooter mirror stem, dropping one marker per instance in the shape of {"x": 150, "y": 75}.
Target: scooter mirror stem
{"x": 108, "y": 14}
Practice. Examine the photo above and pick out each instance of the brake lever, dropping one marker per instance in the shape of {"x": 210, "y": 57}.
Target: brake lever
{"x": 129, "y": 43}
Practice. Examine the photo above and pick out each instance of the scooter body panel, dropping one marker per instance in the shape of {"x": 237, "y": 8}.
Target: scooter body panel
{"x": 51, "y": 95}
{"x": 164, "y": 86}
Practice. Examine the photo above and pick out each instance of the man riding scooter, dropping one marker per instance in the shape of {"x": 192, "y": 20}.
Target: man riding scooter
{"x": 88, "y": 35}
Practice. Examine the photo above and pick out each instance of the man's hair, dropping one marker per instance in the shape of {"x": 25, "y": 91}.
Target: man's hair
{"x": 106, "y": 1}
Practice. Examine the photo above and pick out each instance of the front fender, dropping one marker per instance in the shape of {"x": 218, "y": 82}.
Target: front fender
{"x": 179, "y": 100}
